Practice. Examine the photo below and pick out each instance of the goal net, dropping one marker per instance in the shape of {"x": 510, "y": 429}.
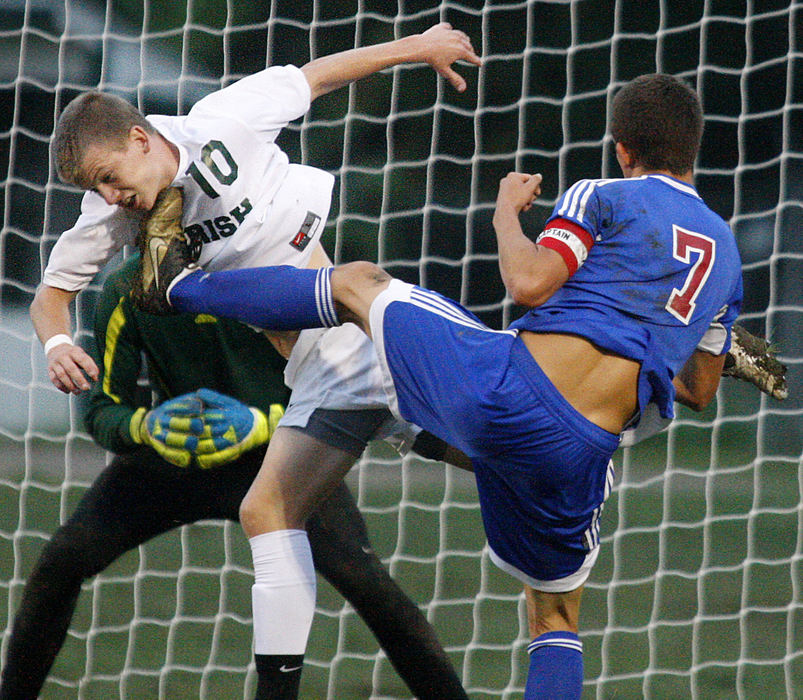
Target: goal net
{"x": 697, "y": 589}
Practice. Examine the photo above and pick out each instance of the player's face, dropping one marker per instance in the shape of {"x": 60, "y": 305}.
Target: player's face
{"x": 126, "y": 176}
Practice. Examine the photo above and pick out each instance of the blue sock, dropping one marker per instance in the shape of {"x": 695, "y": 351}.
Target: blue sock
{"x": 276, "y": 298}
{"x": 556, "y": 667}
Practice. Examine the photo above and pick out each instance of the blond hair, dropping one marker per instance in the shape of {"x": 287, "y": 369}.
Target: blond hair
{"x": 92, "y": 118}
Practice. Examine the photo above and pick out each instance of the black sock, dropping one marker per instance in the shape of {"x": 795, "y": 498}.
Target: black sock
{"x": 279, "y": 676}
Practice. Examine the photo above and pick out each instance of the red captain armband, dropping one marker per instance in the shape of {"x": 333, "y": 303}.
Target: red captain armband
{"x": 571, "y": 241}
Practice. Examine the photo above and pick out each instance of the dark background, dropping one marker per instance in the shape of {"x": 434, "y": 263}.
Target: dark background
{"x": 417, "y": 163}
{"x": 539, "y": 103}
{"x": 696, "y": 588}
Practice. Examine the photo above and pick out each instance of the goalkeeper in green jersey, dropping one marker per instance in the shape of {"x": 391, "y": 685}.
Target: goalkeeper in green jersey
{"x": 144, "y": 492}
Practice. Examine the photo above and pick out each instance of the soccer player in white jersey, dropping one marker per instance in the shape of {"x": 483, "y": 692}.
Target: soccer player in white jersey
{"x": 244, "y": 204}
{"x": 632, "y": 289}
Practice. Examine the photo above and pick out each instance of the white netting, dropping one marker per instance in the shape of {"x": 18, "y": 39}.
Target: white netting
{"x": 696, "y": 592}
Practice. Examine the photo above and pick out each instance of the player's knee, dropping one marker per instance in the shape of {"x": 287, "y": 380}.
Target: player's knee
{"x": 250, "y": 515}
{"x": 552, "y": 612}
{"x": 260, "y": 513}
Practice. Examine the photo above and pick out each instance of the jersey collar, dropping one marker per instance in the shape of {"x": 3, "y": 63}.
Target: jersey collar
{"x": 677, "y": 184}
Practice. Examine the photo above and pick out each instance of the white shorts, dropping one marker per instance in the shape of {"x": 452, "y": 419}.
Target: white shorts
{"x": 337, "y": 369}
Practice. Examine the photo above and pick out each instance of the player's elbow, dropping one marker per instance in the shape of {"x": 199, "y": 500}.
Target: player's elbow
{"x": 36, "y": 307}
{"x": 705, "y": 395}
{"x": 320, "y": 76}
{"x": 532, "y": 281}
{"x": 529, "y": 292}
{"x": 697, "y": 403}
{"x": 696, "y": 395}
{"x": 698, "y": 380}
{"x": 49, "y": 300}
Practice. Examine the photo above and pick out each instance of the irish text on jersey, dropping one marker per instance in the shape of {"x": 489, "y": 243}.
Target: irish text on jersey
{"x": 219, "y": 227}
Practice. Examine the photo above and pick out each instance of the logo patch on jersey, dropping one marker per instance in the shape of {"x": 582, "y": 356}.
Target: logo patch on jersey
{"x": 302, "y": 238}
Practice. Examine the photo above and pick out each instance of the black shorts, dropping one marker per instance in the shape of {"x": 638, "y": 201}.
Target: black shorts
{"x": 348, "y": 430}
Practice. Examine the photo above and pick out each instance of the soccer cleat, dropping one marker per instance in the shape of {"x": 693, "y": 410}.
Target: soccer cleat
{"x": 752, "y": 359}
{"x": 165, "y": 253}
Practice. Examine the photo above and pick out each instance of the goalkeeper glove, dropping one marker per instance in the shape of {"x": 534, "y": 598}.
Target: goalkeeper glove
{"x": 752, "y": 359}
{"x": 172, "y": 428}
{"x": 231, "y": 428}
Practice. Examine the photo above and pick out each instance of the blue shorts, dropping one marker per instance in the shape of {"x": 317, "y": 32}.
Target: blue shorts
{"x": 543, "y": 471}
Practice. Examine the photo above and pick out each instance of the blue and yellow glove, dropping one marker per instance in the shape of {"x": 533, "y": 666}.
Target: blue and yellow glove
{"x": 231, "y": 428}
{"x": 173, "y": 428}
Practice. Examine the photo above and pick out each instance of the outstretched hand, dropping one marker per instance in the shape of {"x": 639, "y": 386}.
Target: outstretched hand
{"x": 442, "y": 46}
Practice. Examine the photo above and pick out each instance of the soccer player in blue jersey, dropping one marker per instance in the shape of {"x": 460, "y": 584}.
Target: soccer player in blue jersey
{"x": 632, "y": 289}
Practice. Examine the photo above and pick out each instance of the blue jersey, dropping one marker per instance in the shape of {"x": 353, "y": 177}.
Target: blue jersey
{"x": 654, "y": 273}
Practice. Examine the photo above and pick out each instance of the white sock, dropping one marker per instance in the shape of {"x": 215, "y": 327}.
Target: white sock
{"x": 283, "y": 595}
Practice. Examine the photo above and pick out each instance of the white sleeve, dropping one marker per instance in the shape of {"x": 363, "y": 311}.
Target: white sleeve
{"x": 81, "y": 252}
{"x": 266, "y": 101}
{"x": 715, "y": 340}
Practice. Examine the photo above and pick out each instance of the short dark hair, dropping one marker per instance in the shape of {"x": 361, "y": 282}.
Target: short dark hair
{"x": 659, "y": 119}
{"x": 92, "y": 118}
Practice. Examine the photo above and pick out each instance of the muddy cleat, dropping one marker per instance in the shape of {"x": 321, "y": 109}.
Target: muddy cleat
{"x": 165, "y": 252}
{"x": 753, "y": 360}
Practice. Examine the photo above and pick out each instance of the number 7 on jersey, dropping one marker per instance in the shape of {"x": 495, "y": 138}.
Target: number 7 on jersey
{"x": 681, "y": 301}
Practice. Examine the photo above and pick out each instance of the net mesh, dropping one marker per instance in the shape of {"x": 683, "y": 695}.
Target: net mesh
{"x": 696, "y": 592}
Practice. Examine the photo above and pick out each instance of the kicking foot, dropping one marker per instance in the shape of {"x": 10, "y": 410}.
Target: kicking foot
{"x": 165, "y": 252}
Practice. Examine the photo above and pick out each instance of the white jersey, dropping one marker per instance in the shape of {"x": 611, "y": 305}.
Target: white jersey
{"x": 244, "y": 204}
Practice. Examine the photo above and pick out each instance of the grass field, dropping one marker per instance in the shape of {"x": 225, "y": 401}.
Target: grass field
{"x": 698, "y": 570}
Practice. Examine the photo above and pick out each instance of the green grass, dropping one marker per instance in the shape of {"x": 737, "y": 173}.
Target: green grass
{"x": 697, "y": 571}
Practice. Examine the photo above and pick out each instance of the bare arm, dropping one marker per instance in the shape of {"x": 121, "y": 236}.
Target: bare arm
{"x": 50, "y": 312}
{"x": 696, "y": 383}
{"x": 68, "y": 366}
{"x": 440, "y": 46}
{"x": 531, "y": 273}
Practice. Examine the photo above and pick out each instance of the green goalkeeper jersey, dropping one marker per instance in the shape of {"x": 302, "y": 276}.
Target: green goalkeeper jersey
{"x": 181, "y": 353}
